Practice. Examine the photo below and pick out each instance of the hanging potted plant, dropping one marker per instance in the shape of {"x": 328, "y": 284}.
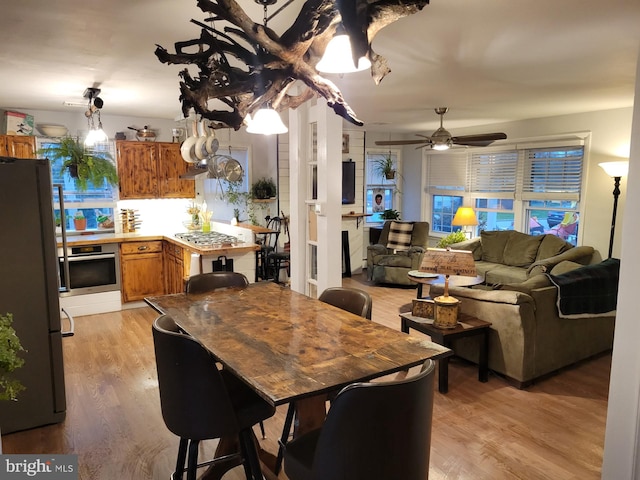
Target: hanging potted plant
{"x": 263, "y": 188}
{"x": 9, "y": 360}
{"x": 384, "y": 166}
{"x": 85, "y": 165}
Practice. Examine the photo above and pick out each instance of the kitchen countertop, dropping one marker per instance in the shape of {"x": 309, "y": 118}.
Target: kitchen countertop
{"x": 97, "y": 239}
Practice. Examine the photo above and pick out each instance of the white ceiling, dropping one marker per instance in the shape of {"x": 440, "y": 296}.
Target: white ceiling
{"x": 489, "y": 61}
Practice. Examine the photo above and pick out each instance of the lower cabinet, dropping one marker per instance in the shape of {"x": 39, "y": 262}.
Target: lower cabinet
{"x": 174, "y": 266}
{"x": 142, "y": 268}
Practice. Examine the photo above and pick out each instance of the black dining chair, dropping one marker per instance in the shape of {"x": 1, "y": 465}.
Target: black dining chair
{"x": 352, "y": 300}
{"x": 378, "y": 430}
{"x": 268, "y": 244}
{"x": 199, "y": 401}
{"x": 208, "y": 282}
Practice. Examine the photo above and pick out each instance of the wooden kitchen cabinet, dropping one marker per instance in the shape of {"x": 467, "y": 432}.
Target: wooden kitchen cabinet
{"x": 152, "y": 170}
{"x": 142, "y": 269}
{"x": 176, "y": 266}
{"x": 19, "y": 146}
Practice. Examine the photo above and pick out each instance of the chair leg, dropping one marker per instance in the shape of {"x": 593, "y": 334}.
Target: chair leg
{"x": 192, "y": 466}
{"x": 182, "y": 457}
{"x": 264, "y": 435}
{"x": 286, "y": 429}
{"x": 250, "y": 454}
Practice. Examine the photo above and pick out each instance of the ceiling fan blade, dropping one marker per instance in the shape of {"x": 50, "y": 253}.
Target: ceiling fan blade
{"x": 402, "y": 142}
{"x": 480, "y": 140}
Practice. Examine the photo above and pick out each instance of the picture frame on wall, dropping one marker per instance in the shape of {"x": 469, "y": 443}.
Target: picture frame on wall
{"x": 345, "y": 143}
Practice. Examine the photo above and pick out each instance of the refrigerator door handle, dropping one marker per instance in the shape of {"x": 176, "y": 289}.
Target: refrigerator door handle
{"x": 65, "y": 254}
{"x": 72, "y": 325}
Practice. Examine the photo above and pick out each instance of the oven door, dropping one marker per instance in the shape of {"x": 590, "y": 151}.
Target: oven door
{"x": 90, "y": 274}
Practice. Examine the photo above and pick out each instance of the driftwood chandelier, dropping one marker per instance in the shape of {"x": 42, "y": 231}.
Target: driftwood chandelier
{"x": 245, "y": 66}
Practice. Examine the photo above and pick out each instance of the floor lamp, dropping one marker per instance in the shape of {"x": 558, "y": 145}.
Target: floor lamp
{"x": 616, "y": 170}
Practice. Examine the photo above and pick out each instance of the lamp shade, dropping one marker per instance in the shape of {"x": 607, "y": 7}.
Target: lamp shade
{"x": 465, "y": 216}
{"x": 338, "y": 57}
{"x": 615, "y": 169}
{"x": 442, "y": 261}
{"x": 266, "y": 121}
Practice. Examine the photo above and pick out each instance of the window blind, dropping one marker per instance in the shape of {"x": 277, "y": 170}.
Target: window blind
{"x": 493, "y": 172}
{"x": 446, "y": 171}
{"x": 553, "y": 173}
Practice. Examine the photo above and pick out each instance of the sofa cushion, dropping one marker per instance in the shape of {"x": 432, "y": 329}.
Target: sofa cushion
{"x": 398, "y": 260}
{"x": 521, "y": 249}
{"x": 399, "y": 235}
{"x": 493, "y": 243}
{"x": 552, "y": 246}
{"x": 505, "y": 274}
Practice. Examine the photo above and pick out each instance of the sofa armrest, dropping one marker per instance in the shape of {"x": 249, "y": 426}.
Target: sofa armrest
{"x": 580, "y": 254}
{"x": 495, "y": 296}
{"x": 473, "y": 245}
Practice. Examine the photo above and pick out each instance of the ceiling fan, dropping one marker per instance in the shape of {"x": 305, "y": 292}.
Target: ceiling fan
{"x": 441, "y": 139}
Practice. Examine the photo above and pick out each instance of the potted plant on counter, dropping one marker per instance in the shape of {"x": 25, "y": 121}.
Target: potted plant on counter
{"x": 85, "y": 165}
{"x": 390, "y": 214}
{"x": 79, "y": 221}
{"x": 9, "y": 360}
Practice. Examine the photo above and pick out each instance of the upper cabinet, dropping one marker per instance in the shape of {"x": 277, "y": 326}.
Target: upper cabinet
{"x": 19, "y": 146}
{"x": 152, "y": 170}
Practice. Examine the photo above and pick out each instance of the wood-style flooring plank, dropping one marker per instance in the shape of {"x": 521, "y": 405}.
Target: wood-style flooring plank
{"x": 492, "y": 431}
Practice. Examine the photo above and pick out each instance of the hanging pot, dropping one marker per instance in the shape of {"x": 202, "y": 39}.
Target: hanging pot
{"x": 212, "y": 142}
{"x": 187, "y": 149}
{"x": 200, "y": 150}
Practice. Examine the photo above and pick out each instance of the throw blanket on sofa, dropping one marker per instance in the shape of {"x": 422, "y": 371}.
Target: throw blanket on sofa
{"x": 588, "y": 291}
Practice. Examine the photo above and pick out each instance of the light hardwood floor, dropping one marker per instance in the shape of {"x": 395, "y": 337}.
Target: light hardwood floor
{"x": 554, "y": 429}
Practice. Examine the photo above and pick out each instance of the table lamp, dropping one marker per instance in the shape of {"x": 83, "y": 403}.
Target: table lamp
{"x": 444, "y": 261}
{"x": 465, "y": 217}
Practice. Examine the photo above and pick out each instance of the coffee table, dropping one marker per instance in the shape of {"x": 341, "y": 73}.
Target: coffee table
{"x": 423, "y": 278}
{"x": 467, "y": 326}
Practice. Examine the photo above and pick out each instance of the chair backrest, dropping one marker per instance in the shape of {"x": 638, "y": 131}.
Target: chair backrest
{"x": 350, "y": 299}
{"x": 271, "y": 239}
{"x": 194, "y": 400}
{"x": 378, "y": 430}
{"x": 207, "y": 282}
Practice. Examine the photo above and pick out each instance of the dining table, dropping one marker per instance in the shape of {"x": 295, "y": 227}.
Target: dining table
{"x": 292, "y": 348}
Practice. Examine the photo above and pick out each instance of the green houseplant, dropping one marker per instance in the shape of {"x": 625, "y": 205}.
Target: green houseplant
{"x": 390, "y": 214}
{"x": 263, "y": 188}
{"x": 383, "y": 166}
{"x": 9, "y": 360}
{"x": 79, "y": 221}
{"x": 84, "y": 164}
{"x": 453, "y": 237}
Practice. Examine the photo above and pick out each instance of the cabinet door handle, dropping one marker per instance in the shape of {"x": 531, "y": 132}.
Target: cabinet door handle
{"x": 143, "y": 247}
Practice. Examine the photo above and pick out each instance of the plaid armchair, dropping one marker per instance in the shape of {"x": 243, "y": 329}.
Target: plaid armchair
{"x": 399, "y": 250}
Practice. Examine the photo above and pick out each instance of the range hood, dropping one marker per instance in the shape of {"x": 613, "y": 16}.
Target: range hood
{"x": 195, "y": 171}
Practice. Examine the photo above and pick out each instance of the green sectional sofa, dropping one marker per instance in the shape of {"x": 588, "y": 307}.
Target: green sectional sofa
{"x": 509, "y": 256}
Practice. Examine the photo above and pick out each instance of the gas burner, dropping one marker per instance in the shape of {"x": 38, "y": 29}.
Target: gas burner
{"x": 207, "y": 239}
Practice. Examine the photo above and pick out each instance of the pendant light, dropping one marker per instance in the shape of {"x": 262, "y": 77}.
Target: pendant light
{"x": 95, "y": 134}
{"x": 266, "y": 120}
{"x": 338, "y": 56}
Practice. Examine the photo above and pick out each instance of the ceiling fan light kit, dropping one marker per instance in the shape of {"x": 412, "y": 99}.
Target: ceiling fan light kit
{"x": 441, "y": 139}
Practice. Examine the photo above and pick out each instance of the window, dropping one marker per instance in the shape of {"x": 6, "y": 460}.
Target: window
{"x": 97, "y": 203}
{"x": 443, "y": 211}
{"x": 380, "y": 191}
{"x": 529, "y": 189}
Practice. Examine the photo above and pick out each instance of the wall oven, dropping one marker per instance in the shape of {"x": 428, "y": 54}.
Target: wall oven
{"x": 89, "y": 269}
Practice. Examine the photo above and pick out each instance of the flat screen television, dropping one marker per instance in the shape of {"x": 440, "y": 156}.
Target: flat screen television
{"x": 348, "y": 182}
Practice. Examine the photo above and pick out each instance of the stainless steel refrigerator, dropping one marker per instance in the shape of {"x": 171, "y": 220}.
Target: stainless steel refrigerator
{"x": 29, "y": 291}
